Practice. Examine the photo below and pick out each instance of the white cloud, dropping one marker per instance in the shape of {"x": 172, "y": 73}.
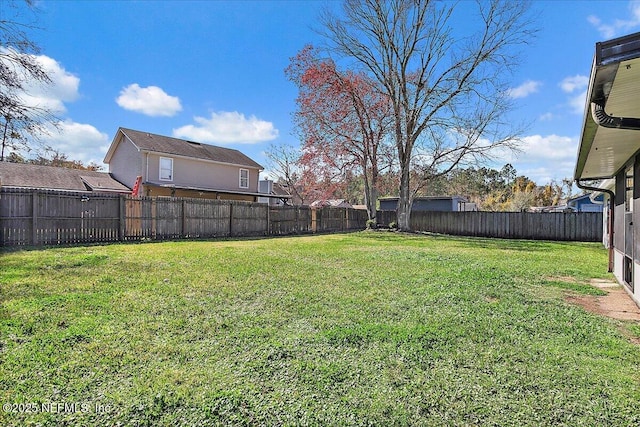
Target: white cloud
{"x": 52, "y": 96}
{"x": 577, "y": 87}
{"x": 577, "y": 103}
{"x": 78, "y": 141}
{"x": 524, "y": 90}
{"x": 546, "y": 117}
{"x": 543, "y": 158}
{"x": 574, "y": 83}
{"x": 551, "y": 147}
{"x": 226, "y": 127}
{"x": 151, "y": 101}
{"x": 618, "y": 26}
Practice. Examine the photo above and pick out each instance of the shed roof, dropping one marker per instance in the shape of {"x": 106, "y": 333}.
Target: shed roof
{"x": 146, "y": 141}
{"x": 427, "y": 198}
{"x": 55, "y": 178}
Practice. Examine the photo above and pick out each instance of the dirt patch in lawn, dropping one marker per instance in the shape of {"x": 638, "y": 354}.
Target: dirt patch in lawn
{"x": 616, "y": 304}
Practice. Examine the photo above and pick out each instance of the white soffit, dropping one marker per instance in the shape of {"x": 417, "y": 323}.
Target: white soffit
{"x": 612, "y": 148}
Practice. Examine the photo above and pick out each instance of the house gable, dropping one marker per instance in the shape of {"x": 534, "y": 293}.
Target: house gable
{"x": 125, "y": 161}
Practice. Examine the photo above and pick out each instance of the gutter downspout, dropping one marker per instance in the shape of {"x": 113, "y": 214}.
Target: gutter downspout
{"x": 603, "y": 119}
{"x": 612, "y": 205}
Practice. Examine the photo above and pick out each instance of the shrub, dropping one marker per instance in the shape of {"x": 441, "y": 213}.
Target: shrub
{"x": 393, "y": 224}
{"x": 371, "y": 224}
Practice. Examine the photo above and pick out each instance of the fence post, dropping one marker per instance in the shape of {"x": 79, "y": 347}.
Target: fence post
{"x": 34, "y": 218}
{"x": 230, "y": 219}
{"x": 154, "y": 219}
{"x": 345, "y": 220}
{"x": 183, "y": 231}
{"x": 268, "y": 217}
{"x": 2, "y": 242}
{"x": 121, "y": 218}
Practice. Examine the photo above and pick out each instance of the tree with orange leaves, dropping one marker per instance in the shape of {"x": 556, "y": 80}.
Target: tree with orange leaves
{"x": 343, "y": 121}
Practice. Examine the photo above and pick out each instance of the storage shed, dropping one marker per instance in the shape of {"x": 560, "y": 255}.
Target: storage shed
{"x": 431, "y": 204}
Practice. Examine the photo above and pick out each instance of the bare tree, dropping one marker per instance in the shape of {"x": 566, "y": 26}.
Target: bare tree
{"x": 20, "y": 120}
{"x": 284, "y": 162}
{"x": 447, "y": 91}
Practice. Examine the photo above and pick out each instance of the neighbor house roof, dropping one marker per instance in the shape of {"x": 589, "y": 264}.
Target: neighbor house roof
{"x": 54, "y": 178}
{"x": 612, "y": 111}
{"x": 150, "y": 142}
{"x": 592, "y": 197}
{"x": 279, "y": 190}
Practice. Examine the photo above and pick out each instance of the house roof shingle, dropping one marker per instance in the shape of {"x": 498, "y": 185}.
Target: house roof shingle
{"x": 55, "y": 178}
{"x": 164, "y": 144}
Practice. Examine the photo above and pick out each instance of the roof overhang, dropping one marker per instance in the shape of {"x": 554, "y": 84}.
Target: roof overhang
{"x": 214, "y": 190}
{"x": 610, "y": 134}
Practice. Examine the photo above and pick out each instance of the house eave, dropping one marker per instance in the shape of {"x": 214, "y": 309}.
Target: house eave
{"x": 614, "y": 87}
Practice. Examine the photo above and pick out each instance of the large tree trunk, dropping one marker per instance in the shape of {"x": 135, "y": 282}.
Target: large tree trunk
{"x": 370, "y": 189}
{"x": 370, "y": 198}
{"x": 4, "y": 139}
{"x": 404, "y": 203}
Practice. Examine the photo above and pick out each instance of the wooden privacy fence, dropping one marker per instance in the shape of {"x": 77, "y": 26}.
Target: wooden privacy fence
{"x": 45, "y": 217}
{"x": 574, "y": 226}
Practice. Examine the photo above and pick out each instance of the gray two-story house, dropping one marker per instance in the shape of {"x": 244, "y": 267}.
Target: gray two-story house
{"x": 172, "y": 167}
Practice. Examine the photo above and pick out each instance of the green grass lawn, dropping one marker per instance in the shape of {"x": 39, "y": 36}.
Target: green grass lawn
{"x": 354, "y": 329}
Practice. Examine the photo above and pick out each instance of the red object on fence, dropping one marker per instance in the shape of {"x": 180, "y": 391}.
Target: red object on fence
{"x": 136, "y": 187}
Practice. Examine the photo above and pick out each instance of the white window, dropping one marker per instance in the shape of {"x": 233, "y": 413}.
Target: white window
{"x": 166, "y": 169}
{"x": 244, "y": 178}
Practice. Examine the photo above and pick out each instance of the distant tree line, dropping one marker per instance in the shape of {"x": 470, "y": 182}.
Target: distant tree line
{"x": 490, "y": 189}
{"x": 52, "y": 158}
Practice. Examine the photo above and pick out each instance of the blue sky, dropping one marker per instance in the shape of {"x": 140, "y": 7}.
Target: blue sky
{"x": 213, "y": 71}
